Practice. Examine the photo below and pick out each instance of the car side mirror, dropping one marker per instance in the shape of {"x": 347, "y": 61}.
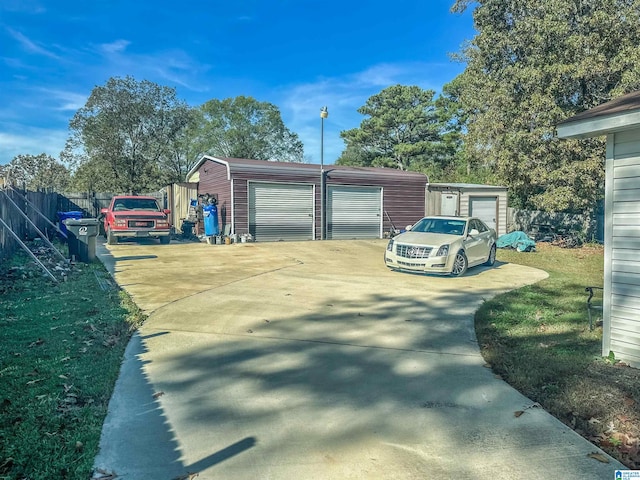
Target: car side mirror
{"x": 409, "y": 227}
{"x": 474, "y": 232}
{"x": 166, "y": 211}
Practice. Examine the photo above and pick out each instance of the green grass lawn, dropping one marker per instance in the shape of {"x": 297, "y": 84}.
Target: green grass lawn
{"x": 538, "y": 339}
{"x": 60, "y": 353}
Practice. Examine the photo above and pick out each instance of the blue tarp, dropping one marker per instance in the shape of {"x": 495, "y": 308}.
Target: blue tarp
{"x": 518, "y": 240}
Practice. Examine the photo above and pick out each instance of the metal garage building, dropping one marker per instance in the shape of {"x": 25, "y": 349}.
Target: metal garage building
{"x": 281, "y": 201}
{"x": 487, "y": 202}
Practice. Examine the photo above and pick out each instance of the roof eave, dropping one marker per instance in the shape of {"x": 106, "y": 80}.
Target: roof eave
{"x": 203, "y": 159}
{"x": 596, "y": 126}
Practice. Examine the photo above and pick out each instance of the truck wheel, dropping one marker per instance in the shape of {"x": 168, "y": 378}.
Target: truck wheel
{"x": 111, "y": 238}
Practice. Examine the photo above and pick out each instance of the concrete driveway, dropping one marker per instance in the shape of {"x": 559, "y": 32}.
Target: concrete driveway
{"x": 310, "y": 360}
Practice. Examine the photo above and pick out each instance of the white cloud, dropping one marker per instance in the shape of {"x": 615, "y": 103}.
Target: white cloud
{"x": 23, "y": 6}
{"x": 300, "y": 104}
{"x": 31, "y": 141}
{"x": 174, "y": 66}
{"x": 115, "y": 47}
{"x": 30, "y": 45}
{"x": 66, "y": 101}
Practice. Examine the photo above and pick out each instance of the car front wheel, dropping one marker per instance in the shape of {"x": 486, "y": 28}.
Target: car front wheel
{"x": 459, "y": 264}
{"x": 492, "y": 256}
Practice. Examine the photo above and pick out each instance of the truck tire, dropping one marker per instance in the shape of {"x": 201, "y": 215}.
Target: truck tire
{"x": 111, "y": 238}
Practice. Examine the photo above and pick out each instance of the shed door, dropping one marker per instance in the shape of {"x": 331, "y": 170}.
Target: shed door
{"x": 449, "y": 203}
{"x": 280, "y": 212}
{"x": 485, "y": 208}
{"x": 354, "y": 212}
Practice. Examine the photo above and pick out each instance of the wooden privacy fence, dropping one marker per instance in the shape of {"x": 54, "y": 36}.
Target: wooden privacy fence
{"x": 44, "y": 202}
{"x": 90, "y": 203}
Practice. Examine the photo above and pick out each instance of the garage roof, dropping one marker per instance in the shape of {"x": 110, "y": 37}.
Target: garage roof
{"x": 262, "y": 166}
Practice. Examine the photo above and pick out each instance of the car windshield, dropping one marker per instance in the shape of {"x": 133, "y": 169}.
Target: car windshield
{"x": 446, "y": 226}
{"x": 136, "y": 204}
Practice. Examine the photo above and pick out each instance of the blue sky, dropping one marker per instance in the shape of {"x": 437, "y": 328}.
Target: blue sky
{"x": 297, "y": 54}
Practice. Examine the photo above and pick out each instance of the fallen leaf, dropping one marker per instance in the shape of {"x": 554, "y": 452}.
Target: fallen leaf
{"x": 33, "y": 382}
{"x": 518, "y": 413}
{"x": 628, "y": 401}
{"x": 158, "y": 395}
{"x": 598, "y": 456}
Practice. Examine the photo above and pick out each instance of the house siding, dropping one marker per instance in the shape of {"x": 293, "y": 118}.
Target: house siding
{"x": 622, "y": 253}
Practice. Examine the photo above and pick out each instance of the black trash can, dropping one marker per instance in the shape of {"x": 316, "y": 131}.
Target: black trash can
{"x": 82, "y": 238}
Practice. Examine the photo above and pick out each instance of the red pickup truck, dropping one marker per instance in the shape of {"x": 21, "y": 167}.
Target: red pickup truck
{"x": 132, "y": 216}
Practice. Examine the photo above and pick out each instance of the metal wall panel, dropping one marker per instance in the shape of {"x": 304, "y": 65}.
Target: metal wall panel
{"x": 279, "y": 211}
{"x": 354, "y": 212}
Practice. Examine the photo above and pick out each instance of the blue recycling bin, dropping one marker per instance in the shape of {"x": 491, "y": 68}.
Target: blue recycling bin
{"x": 210, "y": 218}
{"x": 62, "y": 216}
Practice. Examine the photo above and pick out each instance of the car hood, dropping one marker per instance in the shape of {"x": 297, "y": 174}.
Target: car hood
{"x": 419, "y": 238}
{"x": 139, "y": 213}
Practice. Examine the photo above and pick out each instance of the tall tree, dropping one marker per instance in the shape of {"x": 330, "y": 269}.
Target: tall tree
{"x": 403, "y": 130}
{"x": 243, "y": 127}
{"x": 531, "y": 65}
{"x": 36, "y": 172}
{"x": 123, "y": 136}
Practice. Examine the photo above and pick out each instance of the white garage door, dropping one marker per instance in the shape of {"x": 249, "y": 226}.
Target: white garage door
{"x": 354, "y": 212}
{"x": 280, "y": 211}
{"x": 485, "y": 208}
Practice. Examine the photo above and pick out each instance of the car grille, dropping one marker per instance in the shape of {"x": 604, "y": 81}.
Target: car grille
{"x": 141, "y": 223}
{"x": 407, "y": 264}
{"x": 413, "y": 251}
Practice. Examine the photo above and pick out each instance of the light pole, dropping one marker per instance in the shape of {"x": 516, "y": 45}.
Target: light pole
{"x": 324, "y": 113}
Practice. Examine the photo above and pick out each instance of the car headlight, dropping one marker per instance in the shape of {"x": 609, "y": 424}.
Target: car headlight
{"x": 390, "y": 246}
{"x": 443, "y": 251}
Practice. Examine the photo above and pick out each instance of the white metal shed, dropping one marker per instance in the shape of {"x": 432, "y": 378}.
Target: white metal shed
{"x": 488, "y": 202}
{"x": 619, "y": 120}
